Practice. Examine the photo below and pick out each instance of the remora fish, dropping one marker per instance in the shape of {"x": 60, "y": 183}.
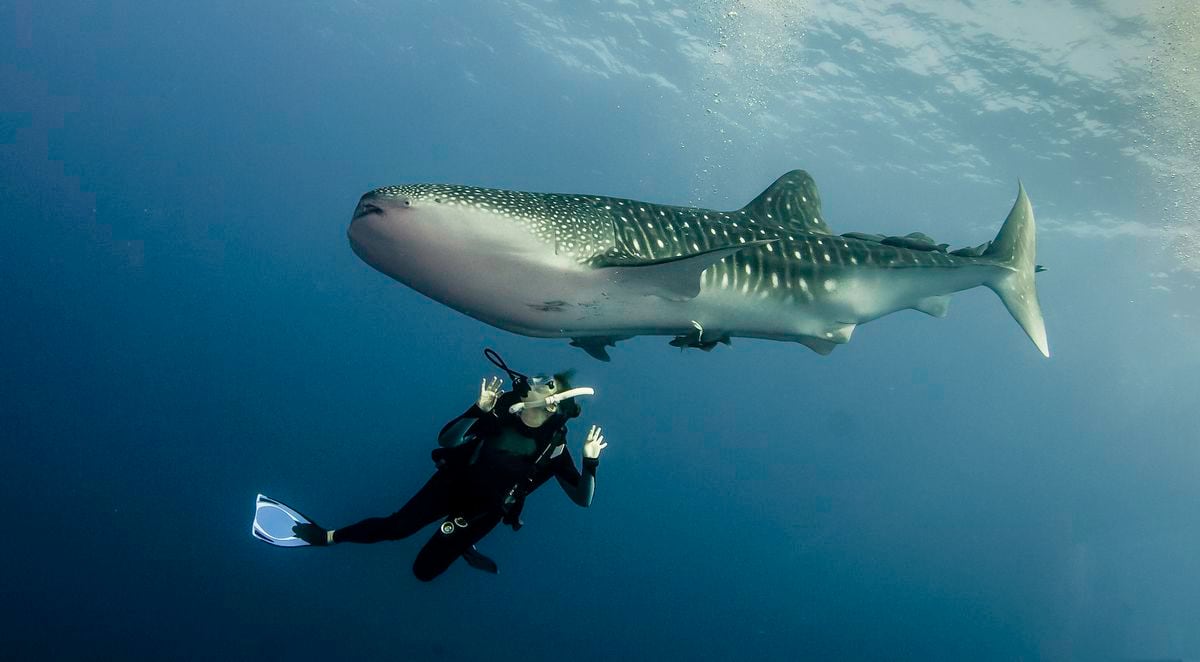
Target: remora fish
{"x": 597, "y": 269}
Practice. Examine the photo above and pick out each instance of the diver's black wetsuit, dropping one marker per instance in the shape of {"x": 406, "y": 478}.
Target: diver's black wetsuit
{"x": 497, "y": 452}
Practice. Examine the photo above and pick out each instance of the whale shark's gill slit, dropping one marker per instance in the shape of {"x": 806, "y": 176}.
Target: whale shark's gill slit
{"x": 549, "y": 306}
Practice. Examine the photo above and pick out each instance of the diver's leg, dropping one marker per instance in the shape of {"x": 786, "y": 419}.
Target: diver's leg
{"x": 442, "y": 549}
{"x": 428, "y": 505}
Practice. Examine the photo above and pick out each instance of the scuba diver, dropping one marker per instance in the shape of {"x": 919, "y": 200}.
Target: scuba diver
{"x": 489, "y": 460}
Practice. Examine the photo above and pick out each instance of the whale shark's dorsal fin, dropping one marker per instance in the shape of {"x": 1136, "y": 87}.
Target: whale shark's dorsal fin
{"x": 791, "y": 203}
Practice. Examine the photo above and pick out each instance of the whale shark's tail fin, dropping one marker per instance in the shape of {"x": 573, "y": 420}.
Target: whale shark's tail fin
{"x": 1015, "y": 249}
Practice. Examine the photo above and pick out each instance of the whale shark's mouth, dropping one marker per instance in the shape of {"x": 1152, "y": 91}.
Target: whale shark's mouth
{"x": 366, "y": 209}
{"x": 365, "y": 229}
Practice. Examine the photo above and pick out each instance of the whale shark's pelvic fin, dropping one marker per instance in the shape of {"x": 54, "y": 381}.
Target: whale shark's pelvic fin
{"x": 597, "y": 346}
{"x": 937, "y": 306}
{"x": 822, "y": 347}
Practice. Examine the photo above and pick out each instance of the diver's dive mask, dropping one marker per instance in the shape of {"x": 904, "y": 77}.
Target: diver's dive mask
{"x": 542, "y": 383}
{"x": 550, "y": 402}
{"x": 545, "y": 389}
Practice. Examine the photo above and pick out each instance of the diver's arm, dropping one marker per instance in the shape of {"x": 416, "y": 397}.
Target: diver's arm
{"x": 580, "y": 487}
{"x": 455, "y": 432}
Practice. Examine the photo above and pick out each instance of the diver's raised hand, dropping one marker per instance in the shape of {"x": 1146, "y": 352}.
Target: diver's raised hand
{"x": 489, "y": 393}
{"x": 594, "y": 444}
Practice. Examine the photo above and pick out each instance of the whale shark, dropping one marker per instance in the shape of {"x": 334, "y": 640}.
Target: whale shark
{"x": 598, "y": 270}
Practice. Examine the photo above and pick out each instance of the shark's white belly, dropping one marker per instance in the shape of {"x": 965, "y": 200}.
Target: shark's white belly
{"x": 577, "y": 304}
{"x": 508, "y": 281}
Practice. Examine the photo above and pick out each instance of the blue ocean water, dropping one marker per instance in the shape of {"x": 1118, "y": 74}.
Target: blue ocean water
{"x": 185, "y": 326}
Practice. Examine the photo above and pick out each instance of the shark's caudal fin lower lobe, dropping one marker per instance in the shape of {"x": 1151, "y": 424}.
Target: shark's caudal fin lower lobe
{"x": 1015, "y": 249}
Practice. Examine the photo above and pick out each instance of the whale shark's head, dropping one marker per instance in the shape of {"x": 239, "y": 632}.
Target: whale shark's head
{"x": 466, "y": 246}
{"x": 420, "y": 233}
{"x": 405, "y": 221}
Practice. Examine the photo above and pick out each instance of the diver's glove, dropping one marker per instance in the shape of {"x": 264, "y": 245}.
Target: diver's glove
{"x": 313, "y": 534}
{"x": 594, "y": 444}
{"x": 489, "y": 393}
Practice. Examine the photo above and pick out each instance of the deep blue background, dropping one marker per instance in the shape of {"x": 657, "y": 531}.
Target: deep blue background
{"x": 185, "y": 326}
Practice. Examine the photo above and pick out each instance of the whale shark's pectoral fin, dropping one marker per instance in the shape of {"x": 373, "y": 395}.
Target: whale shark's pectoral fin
{"x": 597, "y": 346}
{"x": 673, "y": 278}
{"x": 936, "y": 306}
{"x": 822, "y": 347}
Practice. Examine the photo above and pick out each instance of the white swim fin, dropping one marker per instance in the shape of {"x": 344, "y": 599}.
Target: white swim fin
{"x": 273, "y": 522}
